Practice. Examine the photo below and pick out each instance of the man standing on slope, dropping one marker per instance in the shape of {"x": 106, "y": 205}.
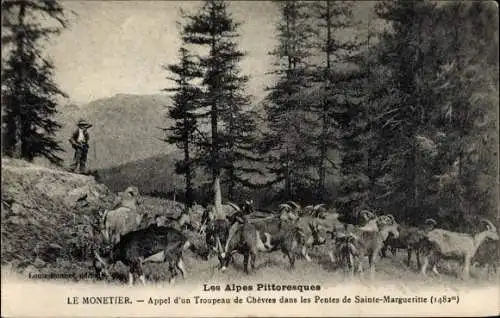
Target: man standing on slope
{"x": 80, "y": 142}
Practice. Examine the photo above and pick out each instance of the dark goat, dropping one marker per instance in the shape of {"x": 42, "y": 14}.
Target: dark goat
{"x": 369, "y": 243}
{"x": 152, "y": 244}
{"x": 216, "y": 234}
{"x": 410, "y": 239}
{"x": 360, "y": 218}
{"x": 266, "y": 235}
{"x": 488, "y": 254}
{"x": 346, "y": 251}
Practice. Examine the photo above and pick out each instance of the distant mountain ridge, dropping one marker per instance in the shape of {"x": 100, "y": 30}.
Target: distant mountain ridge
{"x": 125, "y": 128}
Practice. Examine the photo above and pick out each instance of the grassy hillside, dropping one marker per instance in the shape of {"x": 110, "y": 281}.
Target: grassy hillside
{"x": 48, "y": 215}
{"x": 151, "y": 175}
{"x": 125, "y": 128}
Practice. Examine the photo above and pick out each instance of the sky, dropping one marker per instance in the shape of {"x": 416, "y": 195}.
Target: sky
{"x": 118, "y": 47}
{"x": 114, "y": 47}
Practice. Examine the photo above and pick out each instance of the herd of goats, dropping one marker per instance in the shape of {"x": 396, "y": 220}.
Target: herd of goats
{"x": 350, "y": 240}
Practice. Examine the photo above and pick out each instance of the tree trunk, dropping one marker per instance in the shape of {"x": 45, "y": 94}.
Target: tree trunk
{"x": 189, "y": 186}
{"x": 231, "y": 184}
{"x": 18, "y": 117}
{"x": 218, "y": 197}
{"x": 324, "y": 119}
{"x": 288, "y": 180}
{"x": 215, "y": 136}
{"x": 497, "y": 154}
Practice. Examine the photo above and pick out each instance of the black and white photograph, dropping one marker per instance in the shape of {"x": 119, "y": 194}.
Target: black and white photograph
{"x": 250, "y": 158}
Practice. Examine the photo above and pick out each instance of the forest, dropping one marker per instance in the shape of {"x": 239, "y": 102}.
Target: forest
{"x": 403, "y": 121}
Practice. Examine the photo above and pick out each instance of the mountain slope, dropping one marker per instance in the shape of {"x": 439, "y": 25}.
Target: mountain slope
{"x": 125, "y": 128}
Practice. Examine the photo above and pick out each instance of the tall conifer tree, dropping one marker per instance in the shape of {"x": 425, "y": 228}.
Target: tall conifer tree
{"x": 29, "y": 93}
{"x": 186, "y": 100}
{"x": 213, "y": 28}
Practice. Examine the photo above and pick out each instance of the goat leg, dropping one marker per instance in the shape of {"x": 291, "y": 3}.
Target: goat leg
{"x": 172, "y": 268}
{"x": 383, "y": 251}
{"x": 142, "y": 278}
{"x": 304, "y": 253}
{"x": 140, "y": 272}
{"x": 351, "y": 265}
{"x": 424, "y": 265}
{"x": 246, "y": 256}
{"x": 331, "y": 256}
{"x": 466, "y": 271}
{"x": 408, "y": 262}
{"x": 135, "y": 269}
{"x": 360, "y": 266}
{"x": 181, "y": 268}
{"x": 291, "y": 257}
{"x": 130, "y": 278}
{"x": 371, "y": 262}
{"x": 417, "y": 254}
{"x": 434, "y": 270}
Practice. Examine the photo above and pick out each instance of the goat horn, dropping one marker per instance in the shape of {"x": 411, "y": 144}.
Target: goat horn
{"x": 427, "y": 221}
{"x": 284, "y": 205}
{"x": 368, "y": 214}
{"x": 391, "y": 217}
{"x": 294, "y": 204}
{"x": 100, "y": 259}
{"x": 385, "y": 219}
{"x": 490, "y": 225}
{"x": 319, "y": 206}
{"x": 234, "y": 206}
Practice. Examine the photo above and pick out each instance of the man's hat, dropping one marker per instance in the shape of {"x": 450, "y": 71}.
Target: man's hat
{"x": 83, "y": 124}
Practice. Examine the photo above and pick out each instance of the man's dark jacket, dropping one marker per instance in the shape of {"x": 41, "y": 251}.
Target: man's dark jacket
{"x": 74, "y": 139}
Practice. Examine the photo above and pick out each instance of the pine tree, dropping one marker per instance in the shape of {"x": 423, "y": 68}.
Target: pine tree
{"x": 186, "y": 100}
{"x": 28, "y": 89}
{"x": 239, "y": 133}
{"x": 214, "y": 28}
{"x": 402, "y": 114}
{"x": 288, "y": 133}
{"x": 463, "y": 88}
{"x": 332, "y": 81}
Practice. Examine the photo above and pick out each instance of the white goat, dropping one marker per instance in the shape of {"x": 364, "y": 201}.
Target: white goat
{"x": 125, "y": 218}
{"x": 440, "y": 243}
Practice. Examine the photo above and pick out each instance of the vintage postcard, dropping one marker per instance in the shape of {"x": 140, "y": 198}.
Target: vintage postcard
{"x": 250, "y": 158}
